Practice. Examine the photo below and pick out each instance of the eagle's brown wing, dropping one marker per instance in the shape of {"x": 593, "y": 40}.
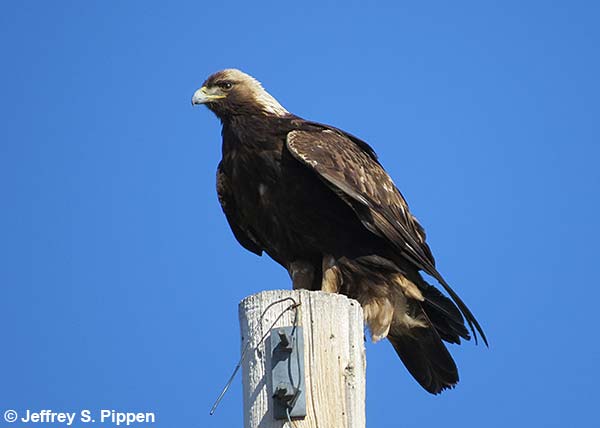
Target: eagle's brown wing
{"x": 240, "y": 230}
{"x": 362, "y": 182}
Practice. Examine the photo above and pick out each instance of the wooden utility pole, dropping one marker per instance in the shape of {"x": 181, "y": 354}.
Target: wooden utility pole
{"x": 334, "y": 357}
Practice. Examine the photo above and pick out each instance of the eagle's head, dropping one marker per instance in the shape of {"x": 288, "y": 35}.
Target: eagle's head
{"x": 232, "y": 92}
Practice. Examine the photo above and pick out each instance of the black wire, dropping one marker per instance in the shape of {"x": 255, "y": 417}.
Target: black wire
{"x": 295, "y": 341}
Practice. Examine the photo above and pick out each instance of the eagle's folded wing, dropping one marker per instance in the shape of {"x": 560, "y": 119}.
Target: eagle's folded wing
{"x": 363, "y": 184}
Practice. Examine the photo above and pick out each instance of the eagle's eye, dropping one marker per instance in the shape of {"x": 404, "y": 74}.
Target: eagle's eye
{"x": 226, "y": 85}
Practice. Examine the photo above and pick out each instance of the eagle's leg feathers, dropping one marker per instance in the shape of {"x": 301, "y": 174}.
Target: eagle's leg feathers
{"x": 379, "y": 314}
{"x": 302, "y": 274}
{"x": 332, "y": 277}
{"x": 409, "y": 288}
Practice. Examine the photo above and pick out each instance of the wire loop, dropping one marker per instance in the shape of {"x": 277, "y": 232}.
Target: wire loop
{"x": 293, "y": 306}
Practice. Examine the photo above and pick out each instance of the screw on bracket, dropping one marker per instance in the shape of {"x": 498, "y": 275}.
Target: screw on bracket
{"x": 287, "y": 372}
{"x": 284, "y": 341}
{"x": 284, "y": 393}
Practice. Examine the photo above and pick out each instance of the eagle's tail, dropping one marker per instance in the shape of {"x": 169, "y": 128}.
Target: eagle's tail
{"x": 421, "y": 348}
{"x": 414, "y": 316}
{"x": 443, "y": 314}
{"x": 426, "y": 358}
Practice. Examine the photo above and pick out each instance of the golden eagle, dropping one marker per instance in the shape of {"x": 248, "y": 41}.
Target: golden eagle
{"x": 317, "y": 201}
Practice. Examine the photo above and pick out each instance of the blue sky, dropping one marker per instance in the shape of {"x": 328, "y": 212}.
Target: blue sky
{"x": 120, "y": 278}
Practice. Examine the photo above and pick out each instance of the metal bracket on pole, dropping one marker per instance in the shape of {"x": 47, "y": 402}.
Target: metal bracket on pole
{"x": 287, "y": 372}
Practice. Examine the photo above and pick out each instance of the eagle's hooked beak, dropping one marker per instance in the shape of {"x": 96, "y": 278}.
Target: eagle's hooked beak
{"x": 204, "y": 95}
